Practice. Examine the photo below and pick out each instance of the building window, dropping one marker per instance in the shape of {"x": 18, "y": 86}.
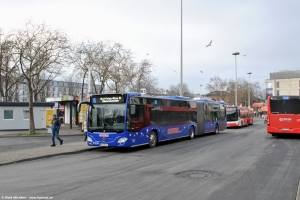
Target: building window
{"x": 8, "y": 114}
{"x": 278, "y": 93}
{"x": 25, "y": 114}
{"x": 277, "y": 83}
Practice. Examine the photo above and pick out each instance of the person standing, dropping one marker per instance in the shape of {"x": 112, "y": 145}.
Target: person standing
{"x": 55, "y": 130}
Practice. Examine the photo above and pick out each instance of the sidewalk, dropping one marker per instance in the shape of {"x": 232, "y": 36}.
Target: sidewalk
{"x": 43, "y": 152}
{"x": 64, "y": 131}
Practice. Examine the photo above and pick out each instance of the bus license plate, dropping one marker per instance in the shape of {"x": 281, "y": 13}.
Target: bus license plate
{"x": 285, "y": 129}
{"x": 103, "y": 145}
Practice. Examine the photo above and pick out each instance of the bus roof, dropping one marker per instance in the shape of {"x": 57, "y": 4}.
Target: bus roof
{"x": 264, "y": 108}
{"x": 175, "y": 97}
{"x": 205, "y": 100}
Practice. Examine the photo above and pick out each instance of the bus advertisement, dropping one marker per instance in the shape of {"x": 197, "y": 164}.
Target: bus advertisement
{"x": 283, "y": 115}
{"x": 238, "y": 116}
{"x": 130, "y": 119}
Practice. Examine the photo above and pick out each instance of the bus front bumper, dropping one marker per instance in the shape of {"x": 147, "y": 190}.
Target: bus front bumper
{"x": 108, "y": 142}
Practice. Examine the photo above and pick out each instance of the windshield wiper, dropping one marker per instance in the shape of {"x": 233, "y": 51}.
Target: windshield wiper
{"x": 107, "y": 130}
{"x": 97, "y": 130}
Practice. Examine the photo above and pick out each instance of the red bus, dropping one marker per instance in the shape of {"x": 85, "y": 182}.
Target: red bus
{"x": 238, "y": 116}
{"x": 283, "y": 115}
{"x": 251, "y": 116}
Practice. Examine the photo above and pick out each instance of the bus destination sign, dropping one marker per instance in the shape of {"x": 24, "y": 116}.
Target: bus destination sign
{"x": 285, "y": 98}
{"x": 109, "y": 99}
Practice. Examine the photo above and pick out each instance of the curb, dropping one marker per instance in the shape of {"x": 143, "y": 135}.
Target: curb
{"x": 21, "y": 135}
{"x": 47, "y": 156}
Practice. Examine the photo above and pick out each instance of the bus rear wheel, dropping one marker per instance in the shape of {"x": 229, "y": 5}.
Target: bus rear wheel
{"x": 216, "y": 129}
{"x": 192, "y": 133}
{"x": 153, "y": 139}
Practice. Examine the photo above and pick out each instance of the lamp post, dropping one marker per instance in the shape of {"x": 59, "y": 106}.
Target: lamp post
{"x": 200, "y": 90}
{"x": 235, "y": 54}
{"x": 249, "y": 90}
{"x": 181, "y": 52}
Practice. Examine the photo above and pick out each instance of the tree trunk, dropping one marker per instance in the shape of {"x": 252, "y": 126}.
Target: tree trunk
{"x": 31, "y": 121}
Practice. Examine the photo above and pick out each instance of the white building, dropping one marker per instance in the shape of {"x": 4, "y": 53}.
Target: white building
{"x": 15, "y": 115}
{"x": 283, "y": 83}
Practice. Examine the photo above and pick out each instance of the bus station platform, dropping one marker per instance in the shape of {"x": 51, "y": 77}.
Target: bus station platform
{"x": 35, "y": 153}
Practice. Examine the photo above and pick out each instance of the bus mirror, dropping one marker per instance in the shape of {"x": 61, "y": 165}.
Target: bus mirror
{"x": 79, "y": 105}
{"x": 132, "y": 109}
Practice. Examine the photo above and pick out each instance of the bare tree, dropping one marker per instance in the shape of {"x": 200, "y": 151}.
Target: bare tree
{"x": 9, "y": 74}
{"x": 216, "y": 84}
{"x": 261, "y": 94}
{"x": 41, "y": 54}
{"x": 175, "y": 90}
{"x": 140, "y": 77}
{"x": 94, "y": 56}
{"x": 119, "y": 71}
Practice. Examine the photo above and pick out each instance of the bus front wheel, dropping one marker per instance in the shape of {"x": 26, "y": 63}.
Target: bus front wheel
{"x": 216, "y": 129}
{"x": 153, "y": 139}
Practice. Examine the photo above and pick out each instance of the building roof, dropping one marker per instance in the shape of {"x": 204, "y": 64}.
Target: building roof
{"x": 25, "y": 104}
{"x": 264, "y": 108}
{"x": 257, "y": 105}
{"x": 285, "y": 74}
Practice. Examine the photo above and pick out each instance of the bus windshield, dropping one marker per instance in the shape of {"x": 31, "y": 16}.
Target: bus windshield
{"x": 232, "y": 115}
{"x": 291, "y": 106}
{"x": 107, "y": 117}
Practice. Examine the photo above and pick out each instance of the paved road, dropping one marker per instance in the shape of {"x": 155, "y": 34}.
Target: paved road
{"x": 237, "y": 164}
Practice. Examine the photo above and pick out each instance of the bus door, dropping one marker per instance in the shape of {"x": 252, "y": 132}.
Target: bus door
{"x": 137, "y": 118}
{"x": 200, "y": 117}
{"x": 147, "y": 112}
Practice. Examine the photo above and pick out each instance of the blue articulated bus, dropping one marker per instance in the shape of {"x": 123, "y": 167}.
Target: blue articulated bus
{"x": 131, "y": 119}
{"x": 211, "y": 116}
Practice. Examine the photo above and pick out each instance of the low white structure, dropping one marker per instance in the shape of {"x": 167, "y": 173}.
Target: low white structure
{"x": 15, "y": 115}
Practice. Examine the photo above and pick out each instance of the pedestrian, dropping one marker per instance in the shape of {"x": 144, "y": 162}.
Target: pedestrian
{"x": 55, "y": 130}
{"x": 85, "y": 130}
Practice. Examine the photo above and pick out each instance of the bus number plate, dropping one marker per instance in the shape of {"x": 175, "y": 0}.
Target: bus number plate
{"x": 285, "y": 129}
{"x": 103, "y": 145}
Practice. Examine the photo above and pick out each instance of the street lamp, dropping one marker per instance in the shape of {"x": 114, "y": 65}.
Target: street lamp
{"x": 181, "y": 53}
{"x": 200, "y": 90}
{"x": 235, "y": 54}
{"x": 249, "y": 90}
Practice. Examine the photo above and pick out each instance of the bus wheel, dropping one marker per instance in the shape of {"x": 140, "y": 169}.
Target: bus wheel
{"x": 216, "y": 129}
{"x": 153, "y": 139}
{"x": 192, "y": 133}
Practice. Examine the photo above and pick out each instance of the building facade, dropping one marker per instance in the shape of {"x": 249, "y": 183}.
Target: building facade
{"x": 55, "y": 89}
{"x": 283, "y": 83}
{"x": 15, "y": 115}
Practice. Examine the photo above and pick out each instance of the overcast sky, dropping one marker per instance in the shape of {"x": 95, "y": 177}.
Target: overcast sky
{"x": 266, "y": 31}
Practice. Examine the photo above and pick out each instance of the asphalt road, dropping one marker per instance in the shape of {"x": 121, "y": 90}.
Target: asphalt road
{"x": 237, "y": 164}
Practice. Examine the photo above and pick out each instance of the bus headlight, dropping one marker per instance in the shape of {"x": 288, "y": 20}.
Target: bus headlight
{"x": 122, "y": 140}
{"x": 89, "y": 139}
